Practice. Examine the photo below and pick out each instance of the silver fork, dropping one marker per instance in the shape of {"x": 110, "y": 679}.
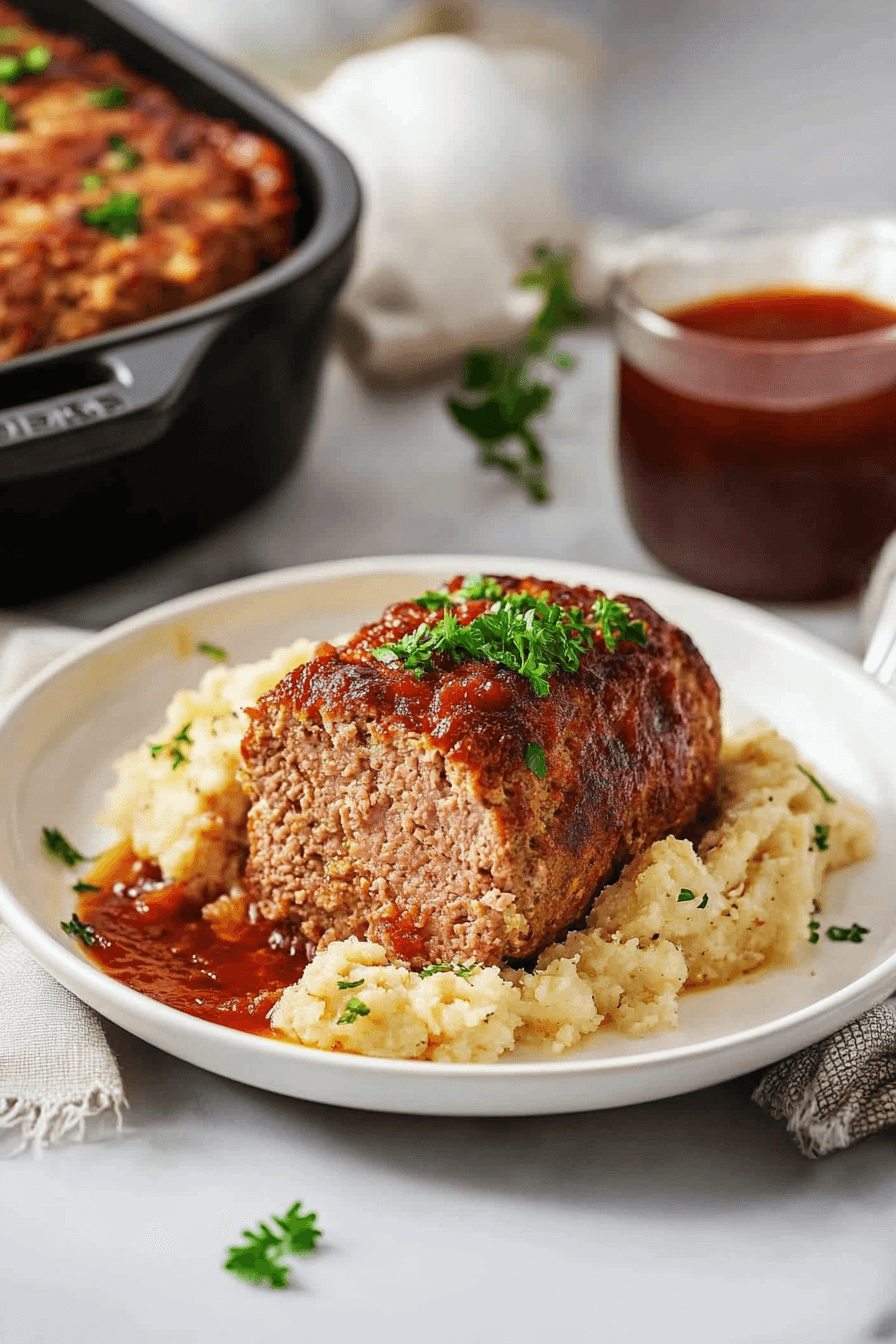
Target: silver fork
{"x": 879, "y": 613}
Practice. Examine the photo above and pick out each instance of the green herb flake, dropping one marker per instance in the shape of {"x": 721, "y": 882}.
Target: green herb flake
{"x": 535, "y": 760}
{"x": 259, "y": 1258}
{"x": 814, "y": 926}
{"x": 10, "y": 69}
{"x": 80, "y": 887}
{"x": 432, "y": 601}
{"x": 354, "y": 1009}
{"x": 113, "y": 96}
{"x": 156, "y": 747}
{"x": 686, "y": 895}
{"x": 822, "y": 834}
{"x": 75, "y": 929}
{"x": 177, "y": 757}
{"x": 93, "y": 181}
{"x": 612, "y": 619}
{"x": 527, "y": 634}
{"x": 7, "y": 116}
{"x": 705, "y": 902}
{"x": 828, "y": 798}
{"x": 119, "y": 215}
{"x": 212, "y": 651}
{"x": 508, "y": 392}
{"x": 444, "y": 967}
{"x": 854, "y": 934}
{"x": 36, "y": 59}
{"x": 128, "y": 157}
{"x": 479, "y": 588}
{"x": 349, "y": 984}
{"x": 184, "y": 734}
{"x": 58, "y": 847}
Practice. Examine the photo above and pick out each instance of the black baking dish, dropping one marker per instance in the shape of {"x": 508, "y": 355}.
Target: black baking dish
{"x": 117, "y": 447}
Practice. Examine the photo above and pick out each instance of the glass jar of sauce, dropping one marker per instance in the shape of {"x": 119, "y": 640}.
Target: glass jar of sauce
{"x": 757, "y": 408}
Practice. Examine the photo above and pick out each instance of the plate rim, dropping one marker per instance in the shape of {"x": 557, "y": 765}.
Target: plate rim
{"x": 65, "y": 963}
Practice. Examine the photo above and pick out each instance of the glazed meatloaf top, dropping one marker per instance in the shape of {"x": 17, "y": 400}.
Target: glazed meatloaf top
{"x": 116, "y": 202}
{"x": 457, "y": 810}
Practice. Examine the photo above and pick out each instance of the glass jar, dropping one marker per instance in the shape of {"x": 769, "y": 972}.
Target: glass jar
{"x": 763, "y": 464}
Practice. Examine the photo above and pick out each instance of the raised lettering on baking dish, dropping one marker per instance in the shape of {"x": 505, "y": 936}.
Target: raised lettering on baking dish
{"x": 430, "y": 810}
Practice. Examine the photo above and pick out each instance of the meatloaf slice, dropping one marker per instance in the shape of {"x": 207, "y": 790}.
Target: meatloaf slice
{"x": 400, "y": 808}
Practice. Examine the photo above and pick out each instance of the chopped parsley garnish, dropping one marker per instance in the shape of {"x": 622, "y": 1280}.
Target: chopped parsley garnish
{"x": 533, "y": 637}
{"x": 442, "y": 966}
{"x": 535, "y": 760}
{"x": 820, "y": 787}
{"x": 432, "y": 601}
{"x": 173, "y": 747}
{"x": 822, "y": 834}
{"x": 120, "y": 215}
{"x": 612, "y": 619}
{"x": 510, "y": 394}
{"x": 479, "y": 588}
{"x": 259, "y": 1259}
{"x": 705, "y": 902}
{"x": 814, "y": 926}
{"x": 854, "y": 934}
{"x": 349, "y": 984}
{"x": 686, "y": 895}
{"x": 7, "y": 116}
{"x": 128, "y": 157}
{"x": 114, "y": 96}
{"x": 11, "y": 69}
{"x": 212, "y": 651}
{"x": 93, "y": 181}
{"x": 75, "y": 929}
{"x": 79, "y": 887}
{"x": 354, "y": 1009}
{"x": 58, "y": 847}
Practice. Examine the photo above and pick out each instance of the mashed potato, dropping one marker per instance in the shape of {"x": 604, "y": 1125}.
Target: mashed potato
{"x": 677, "y": 915}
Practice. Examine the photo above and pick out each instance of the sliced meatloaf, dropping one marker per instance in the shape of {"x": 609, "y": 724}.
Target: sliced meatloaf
{"x": 401, "y": 808}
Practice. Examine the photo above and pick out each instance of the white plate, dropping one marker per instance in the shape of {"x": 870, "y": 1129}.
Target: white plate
{"x": 61, "y": 734}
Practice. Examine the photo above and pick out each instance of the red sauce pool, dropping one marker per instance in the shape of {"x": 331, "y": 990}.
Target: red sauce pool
{"x": 771, "y": 504}
{"x": 154, "y": 939}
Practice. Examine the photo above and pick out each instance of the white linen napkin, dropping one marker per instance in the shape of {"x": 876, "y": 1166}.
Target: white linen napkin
{"x": 58, "y": 1077}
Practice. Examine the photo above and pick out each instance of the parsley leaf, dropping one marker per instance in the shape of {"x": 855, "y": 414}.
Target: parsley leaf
{"x": 58, "y": 847}
{"x": 113, "y": 96}
{"x": 349, "y": 984}
{"x": 533, "y": 637}
{"x": 75, "y": 929}
{"x": 354, "y": 1009}
{"x": 260, "y": 1258}
{"x": 814, "y": 926}
{"x": 535, "y": 760}
{"x": 441, "y": 966}
{"x": 820, "y": 787}
{"x": 432, "y": 601}
{"x": 85, "y": 886}
{"x": 479, "y": 588}
{"x": 612, "y": 620}
{"x": 822, "y": 834}
{"x": 119, "y": 215}
{"x": 509, "y": 393}
{"x": 178, "y": 756}
{"x": 854, "y": 934}
{"x": 686, "y": 895}
{"x": 212, "y": 651}
{"x": 705, "y": 902}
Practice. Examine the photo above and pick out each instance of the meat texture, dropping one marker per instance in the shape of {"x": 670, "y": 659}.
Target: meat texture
{"x": 402, "y": 810}
{"x": 184, "y": 205}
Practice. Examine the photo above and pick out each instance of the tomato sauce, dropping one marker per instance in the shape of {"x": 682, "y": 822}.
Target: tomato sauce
{"x": 151, "y": 936}
{"x": 764, "y": 503}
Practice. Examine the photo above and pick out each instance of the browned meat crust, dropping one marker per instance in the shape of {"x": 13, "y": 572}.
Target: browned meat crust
{"x": 215, "y": 201}
{"x": 402, "y": 810}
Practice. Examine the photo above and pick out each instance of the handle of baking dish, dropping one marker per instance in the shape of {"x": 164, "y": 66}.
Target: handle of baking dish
{"x": 106, "y": 404}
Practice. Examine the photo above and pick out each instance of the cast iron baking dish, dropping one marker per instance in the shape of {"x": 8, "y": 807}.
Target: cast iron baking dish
{"x": 117, "y": 447}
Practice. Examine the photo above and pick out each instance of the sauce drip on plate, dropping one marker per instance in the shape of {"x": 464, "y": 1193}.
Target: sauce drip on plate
{"x": 152, "y": 937}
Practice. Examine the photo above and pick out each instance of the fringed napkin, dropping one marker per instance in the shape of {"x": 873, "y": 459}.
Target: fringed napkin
{"x": 57, "y": 1074}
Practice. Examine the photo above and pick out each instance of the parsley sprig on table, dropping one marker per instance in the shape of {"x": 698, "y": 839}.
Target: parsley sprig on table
{"x": 259, "y": 1259}
{"x": 509, "y": 392}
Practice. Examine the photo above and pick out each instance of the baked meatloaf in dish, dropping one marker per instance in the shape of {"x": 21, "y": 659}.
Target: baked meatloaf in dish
{"x": 449, "y": 806}
{"x": 116, "y": 202}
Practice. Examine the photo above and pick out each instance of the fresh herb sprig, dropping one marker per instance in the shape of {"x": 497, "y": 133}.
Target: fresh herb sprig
{"x": 510, "y": 392}
{"x": 259, "y": 1259}
{"x": 119, "y": 215}
{"x": 76, "y": 929}
{"x": 440, "y": 967}
{"x": 534, "y": 758}
{"x": 354, "y": 1009}
{"x": 612, "y": 620}
{"x": 175, "y": 747}
{"x": 58, "y": 847}
{"x": 533, "y": 637}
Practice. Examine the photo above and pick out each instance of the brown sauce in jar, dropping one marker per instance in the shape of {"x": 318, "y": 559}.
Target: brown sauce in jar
{"x": 773, "y": 504}
{"x": 152, "y": 937}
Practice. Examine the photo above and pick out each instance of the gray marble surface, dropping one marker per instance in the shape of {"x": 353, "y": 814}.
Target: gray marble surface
{"x": 691, "y": 1219}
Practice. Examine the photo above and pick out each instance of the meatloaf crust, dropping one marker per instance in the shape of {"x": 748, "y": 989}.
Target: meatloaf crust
{"x": 402, "y": 809}
{"x": 213, "y": 202}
